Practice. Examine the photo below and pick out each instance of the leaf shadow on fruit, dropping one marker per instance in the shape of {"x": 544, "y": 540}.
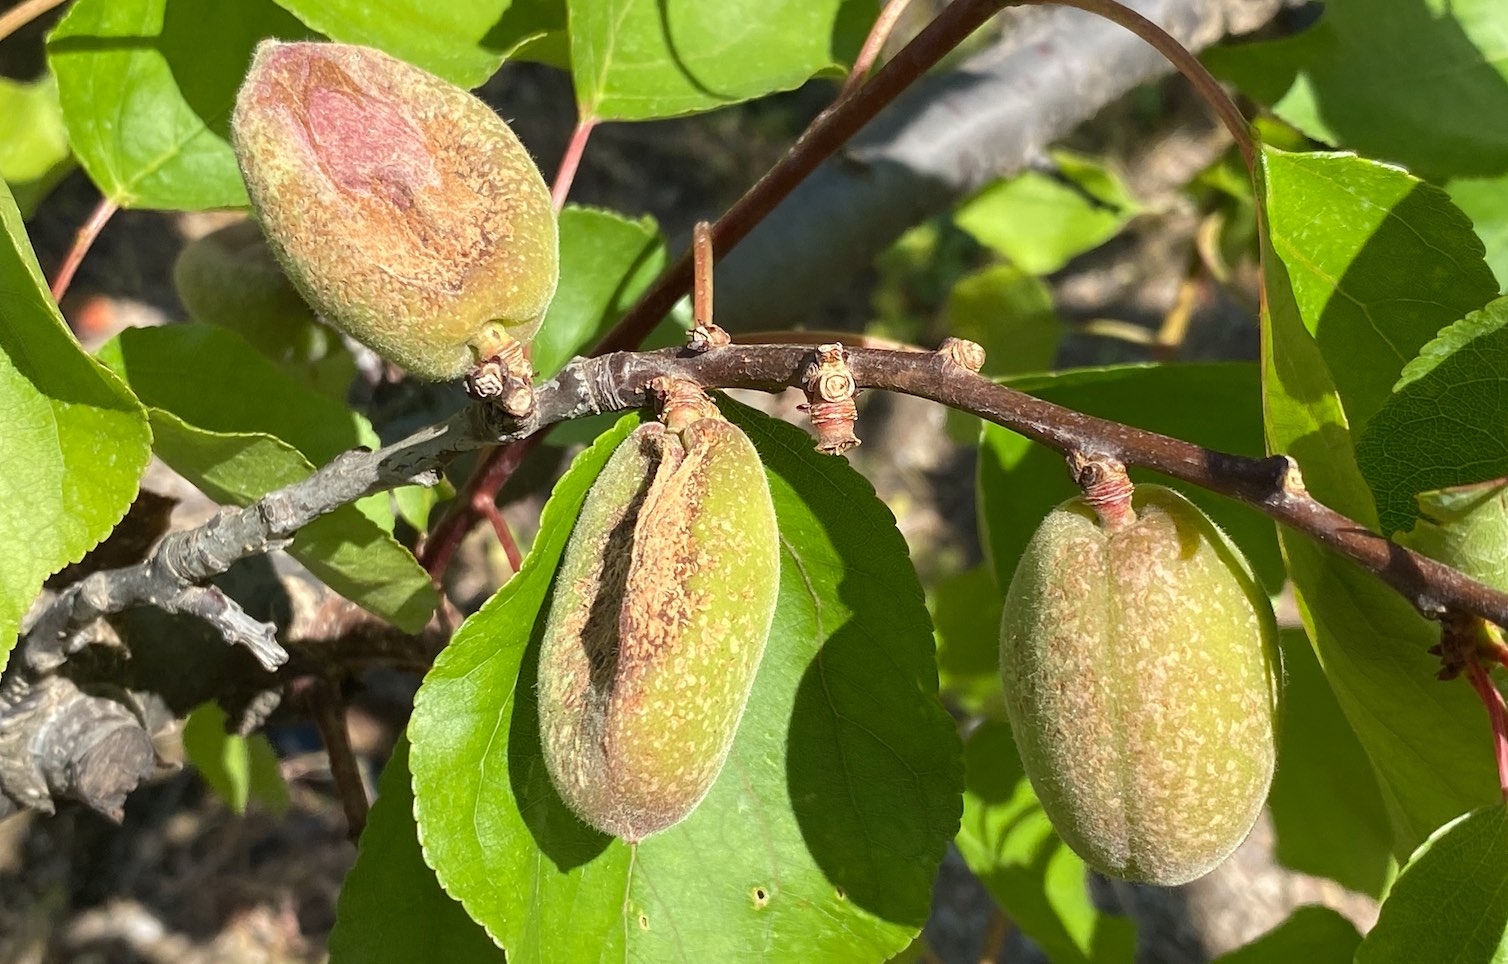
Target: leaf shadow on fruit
{"x": 556, "y": 830}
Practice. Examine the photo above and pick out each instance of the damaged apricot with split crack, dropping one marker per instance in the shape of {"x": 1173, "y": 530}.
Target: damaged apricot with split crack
{"x": 661, "y": 610}
{"x": 1140, "y": 666}
{"x": 402, "y": 208}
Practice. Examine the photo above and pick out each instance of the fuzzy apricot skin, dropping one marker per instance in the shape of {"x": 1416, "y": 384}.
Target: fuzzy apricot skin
{"x": 661, "y": 611}
{"x": 1142, "y": 677}
{"x": 402, "y": 208}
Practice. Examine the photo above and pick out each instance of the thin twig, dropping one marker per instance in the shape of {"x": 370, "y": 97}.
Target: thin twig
{"x": 493, "y": 514}
{"x": 329, "y": 713}
{"x": 701, "y": 288}
{"x": 82, "y": 242}
{"x": 22, "y": 14}
{"x": 832, "y": 128}
{"x": 1497, "y": 713}
{"x": 487, "y": 479}
{"x": 571, "y": 160}
{"x": 1180, "y": 57}
{"x": 884, "y": 24}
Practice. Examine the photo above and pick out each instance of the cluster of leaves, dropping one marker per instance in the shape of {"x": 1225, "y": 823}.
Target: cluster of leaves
{"x": 848, "y": 779}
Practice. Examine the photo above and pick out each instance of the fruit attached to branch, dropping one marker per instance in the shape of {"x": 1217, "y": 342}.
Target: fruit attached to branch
{"x": 403, "y": 208}
{"x": 662, "y": 607}
{"x": 1140, "y": 664}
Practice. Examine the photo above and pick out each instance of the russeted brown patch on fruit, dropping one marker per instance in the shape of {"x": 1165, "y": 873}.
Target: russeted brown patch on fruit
{"x": 633, "y": 750}
{"x": 1141, "y": 677}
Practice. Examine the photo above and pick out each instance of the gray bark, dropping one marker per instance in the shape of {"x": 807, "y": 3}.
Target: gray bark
{"x": 946, "y": 137}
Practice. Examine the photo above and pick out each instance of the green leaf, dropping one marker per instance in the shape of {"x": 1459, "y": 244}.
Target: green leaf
{"x": 606, "y": 261}
{"x": 822, "y": 836}
{"x": 463, "y": 42}
{"x": 641, "y": 59}
{"x": 391, "y": 908}
{"x": 1009, "y": 312}
{"x": 1404, "y": 80}
{"x": 1007, "y": 841}
{"x": 1041, "y": 222}
{"x": 34, "y": 153}
{"x": 230, "y": 278}
{"x": 238, "y": 768}
{"x": 1448, "y": 902}
{"x": 1379, "y": 262}
{"x": 1312, "y": 934}
{"x": 230, "y": 422}
{"x": 966, "y": 615}
{"x": 1485, "y": 201}
{"x": 73, "y": 440}
{"x": 213, "y": 379}
{"x": 1326, "y": 809}
{"x": 1421, "y": 735}
{"x": 1465, "y": 528}
{"x": 1447, "y": 424}
{"x": 147, "y": 88}
{"x": 1214, "y": 405}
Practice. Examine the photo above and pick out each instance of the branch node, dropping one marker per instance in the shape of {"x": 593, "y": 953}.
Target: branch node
{"x": 706, "y": 337}
{"x": 681, "y": 401}
{"x": 830, "y": 391}
{"x": 963, "y": 353}
{"x": 1106, "y": 486}
{"x": 506, "y": 380}
{"x": 1293, "y": 480}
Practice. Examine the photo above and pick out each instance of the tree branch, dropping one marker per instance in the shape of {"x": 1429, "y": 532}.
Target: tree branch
{"x": 617, "y": 382}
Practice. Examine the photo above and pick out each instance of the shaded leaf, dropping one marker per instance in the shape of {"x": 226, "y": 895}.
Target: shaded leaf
{"x": 34, "y": 153}
{"x": 1419, "y": 733}
{"x": 1040, "y": 221}
{"x": 822, "y": 835}
{"x": 640, "y": 59}
{"x": 1326, "y": 810}
{"x": 1485, "y": 201}
{"x": 1448, "y": 903}
{"x": 1404, "y": 80}
{"x": 230, "y": 278}
{"x": 1009, "y": 843}
{"x": 391, "y": 908}
{"x": 1447, "y": 424}
{"x": 235, "y": 426}
{"x": 1010, "y": 314}
{"x": 966, "y": 611}
{"x": 606, "y": 261}
{"x": 463, "y": 41}
{"x": 73, "y": 440}
{"x": 1214, "y": 405}
{"x": 1465, "y": 528}
{"x": 239, "y": 768}
{"x": 1313, "y": 934}
{"x": 147, "y": 88}
{"x": 1379, "y": 262}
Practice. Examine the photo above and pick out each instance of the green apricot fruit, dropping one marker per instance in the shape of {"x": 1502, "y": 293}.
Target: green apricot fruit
{"x": 403, "y": 209}
{"x": 661, "y": 610}
{"x": 1141, "y": 677}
